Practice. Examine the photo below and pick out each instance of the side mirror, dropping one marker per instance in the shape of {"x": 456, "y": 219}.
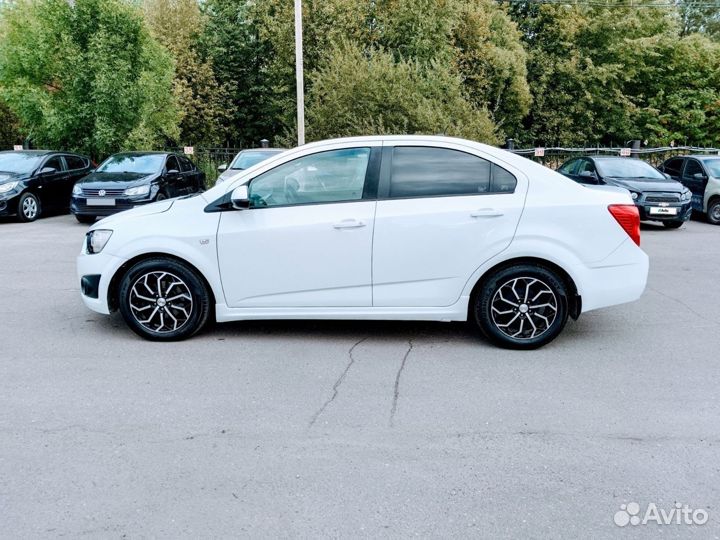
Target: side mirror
{"x": 240, "y": 198}
{"x": 589, "y": 175}
{"x": 699, "y": 176}
{"x": 173, "y": 172}
{"x": 222, "y": 168}
{"x": 48, "y": 170}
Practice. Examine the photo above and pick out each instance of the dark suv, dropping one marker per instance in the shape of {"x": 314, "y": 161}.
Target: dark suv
{"x": 657, "y": 196}
{"x": 701, "y": 175}
{"x": 129, "y": 179}
{"x": 33, "y": 181}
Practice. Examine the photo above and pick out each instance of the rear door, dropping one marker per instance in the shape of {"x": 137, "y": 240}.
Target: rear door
{"x": 174, "y": 182}
{"x": 442, "y": 212}
{"x": 191, "y": 175}
{"x": 76, "y": 168}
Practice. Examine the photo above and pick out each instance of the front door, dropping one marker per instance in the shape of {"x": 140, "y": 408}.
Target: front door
{"x": 695, "y": 179}
{"x": 306, "y": 240}
{"x": 442, "y": 212}
{"x": 53, "y": 184}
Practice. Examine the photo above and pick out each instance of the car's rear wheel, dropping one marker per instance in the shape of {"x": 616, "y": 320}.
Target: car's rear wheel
{"x": 85, "y": 219}
{"x": 673, "y": 224}
{"x": 713, "y": 213}
{"x": 522, "y": 307}
{"x": 164, "y": 300}
{"x": 28, "y": 207}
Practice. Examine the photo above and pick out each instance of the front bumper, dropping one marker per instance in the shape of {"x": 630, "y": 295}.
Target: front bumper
{"x": 678, "y": 211}
{"x": 9, "y": 204}
{"x": 80, "y": 207}
{"x": 94, "y": 273}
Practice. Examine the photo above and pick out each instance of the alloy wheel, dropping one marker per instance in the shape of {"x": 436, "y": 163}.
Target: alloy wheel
{"x": 161, "y": 302}
{"x": 524, "y": 308}
{"x": 715, "y": 212}
{"x": 30, "y": 208}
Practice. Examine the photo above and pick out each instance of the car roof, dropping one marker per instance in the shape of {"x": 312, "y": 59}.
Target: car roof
{"x": 142, "y": 154}
{"x": 30, "y": 152}
{"x": 702, "y": 157}
{"x": 261, "y": 150}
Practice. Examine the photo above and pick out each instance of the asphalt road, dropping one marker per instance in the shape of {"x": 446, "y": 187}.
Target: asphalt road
{"x": 355, "y": 429}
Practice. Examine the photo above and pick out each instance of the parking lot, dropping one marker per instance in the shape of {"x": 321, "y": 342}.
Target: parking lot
{"x": 347, "y": 429}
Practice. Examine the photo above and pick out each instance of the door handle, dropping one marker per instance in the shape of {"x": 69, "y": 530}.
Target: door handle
{"x": 486, "y": 212}
{"x": 348, "y": 224}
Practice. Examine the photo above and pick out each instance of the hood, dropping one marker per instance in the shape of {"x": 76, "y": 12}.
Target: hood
{"x": 228, "y": 174}
{"x": 116, "y": 180}
{"x": 139, "y": 211}
{"x": 643, "y": 185}
{"x": 11, "y": 177}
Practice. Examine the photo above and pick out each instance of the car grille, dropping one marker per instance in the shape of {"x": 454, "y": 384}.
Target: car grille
{"x": 107, "y": 192}
{"x": 662, "y": 198}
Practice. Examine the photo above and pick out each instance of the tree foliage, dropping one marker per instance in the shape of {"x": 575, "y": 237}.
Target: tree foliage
{"x": 9, "y": 128}
{"x": 87, "y": 77}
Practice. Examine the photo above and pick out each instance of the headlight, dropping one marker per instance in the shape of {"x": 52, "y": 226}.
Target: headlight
{"x": 634, "y": 195}
{"x": 687, "y": 195}
{"x": 138, "y": 190}
{"x": 96, "y": 240}
{"x": 8, "y": 186}
{"x": 77, "y": 190}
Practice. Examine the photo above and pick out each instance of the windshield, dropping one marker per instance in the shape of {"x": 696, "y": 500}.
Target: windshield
{"x": 713, "y": 167}
{"x": 124, "y": 163}
{"x": 245, "y": 160}
{"x": 627, "y": 168}
{"x": 18, "y": 162}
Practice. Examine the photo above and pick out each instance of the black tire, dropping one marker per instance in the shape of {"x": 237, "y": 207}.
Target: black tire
{"x": 673, "y": 224}
{"x": 160, "y": 196}
{"x": 29, "y": 208}
{"x": 500, "y": 317}
{"x": 713, "y": 213}
{"x": 85, "y": 219}
{"x": 174, "y": 279}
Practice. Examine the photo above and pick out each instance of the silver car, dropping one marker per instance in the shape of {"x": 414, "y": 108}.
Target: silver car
{"x": 244, "y": 160}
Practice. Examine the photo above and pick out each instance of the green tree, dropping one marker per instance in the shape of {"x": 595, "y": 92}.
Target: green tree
{"x": 9, "y": 128}
{"x": 178, "y": 25}
{"x": 356, "y": 93}
{"x": 86, "y": 76}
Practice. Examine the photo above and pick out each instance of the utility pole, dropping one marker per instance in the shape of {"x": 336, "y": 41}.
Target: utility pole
{"x": 299, "y": 77}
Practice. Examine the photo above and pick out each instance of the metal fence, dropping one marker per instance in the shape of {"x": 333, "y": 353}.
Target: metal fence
{"x": 556, "y": 156}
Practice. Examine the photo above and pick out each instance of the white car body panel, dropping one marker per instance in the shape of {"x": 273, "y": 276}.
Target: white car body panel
{"x": 415, "y": 259}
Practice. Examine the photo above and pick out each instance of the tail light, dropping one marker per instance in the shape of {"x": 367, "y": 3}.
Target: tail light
{"x": 628, "y": 216}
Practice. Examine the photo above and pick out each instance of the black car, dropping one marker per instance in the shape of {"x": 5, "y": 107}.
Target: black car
{"x": 701, "y": 175}
{"x": 129, "y": 179}
{"x": 35, "y": 181}
{"x": 657, "y": 196}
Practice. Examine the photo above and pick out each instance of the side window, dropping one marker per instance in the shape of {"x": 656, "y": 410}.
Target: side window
{"x": 172, "y": 164}
{"x": 432, "y": 172}
{"x": 673, "y": 166}
{"x": 502, "y": 181}
{"x": 569, "y": 167}
{"x": 54, "y": 162}
{"x": 333, "y": 176}
{"x": 692, "y": 167}
{"x": 186, "y": 164}
{"x": 74, "y": 162}
{"x": 586, "y": 166}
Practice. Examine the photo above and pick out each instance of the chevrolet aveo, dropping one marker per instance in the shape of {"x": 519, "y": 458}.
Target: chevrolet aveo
{"x": 403, "y": 228}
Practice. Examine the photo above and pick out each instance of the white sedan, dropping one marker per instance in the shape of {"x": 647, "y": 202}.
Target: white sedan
{"x": 402, "y": 227}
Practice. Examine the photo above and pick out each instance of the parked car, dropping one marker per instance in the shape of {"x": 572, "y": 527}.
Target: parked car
{"x": 35, "y": 181}
{"x": 410, "y": 227}
{"x": 657, "y": 196}
{"x": 701, "y": 175}
{"x": 244, "y": 160}
{"x": 131, "y": 179}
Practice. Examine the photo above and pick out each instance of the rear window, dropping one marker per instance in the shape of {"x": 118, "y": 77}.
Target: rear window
{"x": 436, "y": 172}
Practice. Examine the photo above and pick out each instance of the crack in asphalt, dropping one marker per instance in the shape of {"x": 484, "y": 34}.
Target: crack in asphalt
{"x": 337, "y": 384}
{"x": 396, "y": 391}
{"x": 684, "y": 304}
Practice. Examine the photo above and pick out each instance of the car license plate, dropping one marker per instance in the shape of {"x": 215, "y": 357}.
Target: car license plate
{"x": 101, "y": 202}
{"x": 663, "y": 211}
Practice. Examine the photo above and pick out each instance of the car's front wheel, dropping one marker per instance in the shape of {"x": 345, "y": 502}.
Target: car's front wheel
{"x": 522, "y": 307}
{"x": 164, "y": 300}
{"x": 713, "y": 213}
{"x": 85, "y": 219}
{"x": 28, "y": 207}
{"x": 673, "y": 224}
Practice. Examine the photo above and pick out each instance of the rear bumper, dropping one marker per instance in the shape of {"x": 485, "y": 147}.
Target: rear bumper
{"x": 619, "y": 278}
